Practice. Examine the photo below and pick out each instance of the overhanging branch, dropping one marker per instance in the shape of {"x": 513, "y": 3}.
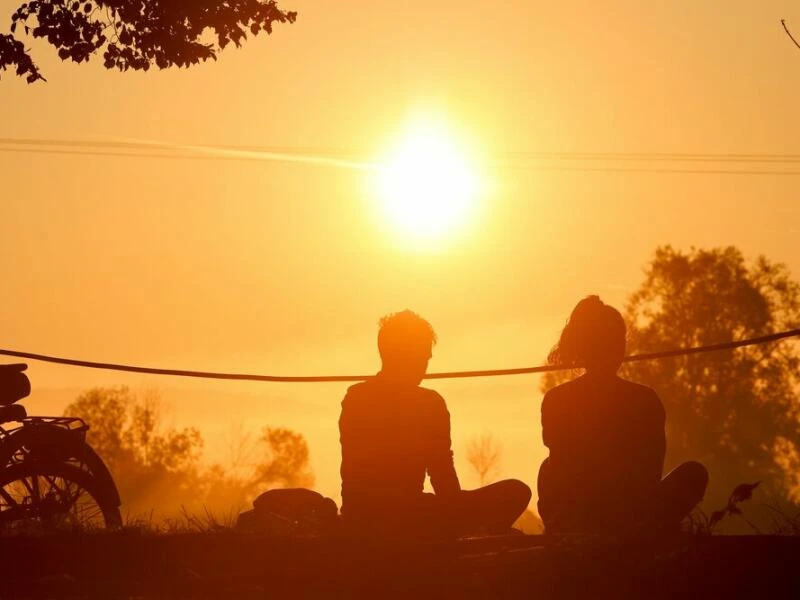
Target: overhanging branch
{"x": 789, "y": 33}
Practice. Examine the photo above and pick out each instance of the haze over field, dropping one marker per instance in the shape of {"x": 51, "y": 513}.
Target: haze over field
{"x": 284, "y": 268}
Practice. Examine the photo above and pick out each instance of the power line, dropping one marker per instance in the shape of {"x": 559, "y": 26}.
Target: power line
{"x": 154, "y": 144}
{"x": 515, "y": 160}
{"x": 148, "y": 149}
{"x": 774, "y": 337}
{"x": 350, "y": 153}
{"x": 323, "y": 161}
{"x": 652, "y": 170}
{"x": 655, "y": 156}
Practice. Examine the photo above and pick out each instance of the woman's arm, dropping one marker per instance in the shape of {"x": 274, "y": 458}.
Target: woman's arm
{"x": 651, "y": 440}
{"x": 549, "y": 427}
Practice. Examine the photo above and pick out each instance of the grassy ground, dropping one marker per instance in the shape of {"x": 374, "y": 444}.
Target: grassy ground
{"x": 225, "y": 564}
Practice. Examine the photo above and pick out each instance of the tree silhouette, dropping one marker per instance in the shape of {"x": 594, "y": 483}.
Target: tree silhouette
{"x": 736, "y": 411}
{"x": 137, "y": 34}
{"x": 158, "y": 468}
{"x": 484, "y": 453}
{"x": 286, "y": 464}
{"x": 152, "y": 466}
{"x": 278, "y": 458}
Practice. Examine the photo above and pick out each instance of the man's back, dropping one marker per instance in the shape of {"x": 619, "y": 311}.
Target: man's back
{"x": 391, "y": 435}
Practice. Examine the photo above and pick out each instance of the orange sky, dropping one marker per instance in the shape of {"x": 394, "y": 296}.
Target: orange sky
{"x": 285, "y": 268}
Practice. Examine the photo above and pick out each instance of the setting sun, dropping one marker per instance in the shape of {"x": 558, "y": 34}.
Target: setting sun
{"x": 427, "y": 185}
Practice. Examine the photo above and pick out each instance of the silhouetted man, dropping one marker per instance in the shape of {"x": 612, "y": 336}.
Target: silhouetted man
{"x": 393, "y": 432}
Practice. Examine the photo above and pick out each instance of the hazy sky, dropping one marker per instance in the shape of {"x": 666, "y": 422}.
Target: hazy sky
{"x": 284, "y": 268}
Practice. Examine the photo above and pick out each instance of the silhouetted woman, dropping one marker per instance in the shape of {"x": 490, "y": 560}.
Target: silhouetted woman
{"x": 606, "y": 439}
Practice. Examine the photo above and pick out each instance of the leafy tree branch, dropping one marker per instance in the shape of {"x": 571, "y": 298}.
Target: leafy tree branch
{"x": 136, "y": 34}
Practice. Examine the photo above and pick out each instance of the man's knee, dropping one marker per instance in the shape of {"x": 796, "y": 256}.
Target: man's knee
{"x": 517, "y": 493}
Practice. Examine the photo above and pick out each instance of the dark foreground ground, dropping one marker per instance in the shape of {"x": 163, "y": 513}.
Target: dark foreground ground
{"x": 235, "y": 565}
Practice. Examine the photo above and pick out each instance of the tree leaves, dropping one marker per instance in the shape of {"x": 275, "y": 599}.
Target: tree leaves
{"x": 287, "y": 462}
{"x": 726, "y": 408}
{"x": 13, "y": 54}
{"x": 138, "y": 34}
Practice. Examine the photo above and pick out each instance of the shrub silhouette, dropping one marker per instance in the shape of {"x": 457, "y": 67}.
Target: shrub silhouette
{"x": 158, "y": 470}
{"x": 484, "y": 454}
{"x": 286, "y": 463}
{"x": 701, "y": 524}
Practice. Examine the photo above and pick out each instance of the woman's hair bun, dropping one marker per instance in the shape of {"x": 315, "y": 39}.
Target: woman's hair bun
{"x": 594, "y": 333}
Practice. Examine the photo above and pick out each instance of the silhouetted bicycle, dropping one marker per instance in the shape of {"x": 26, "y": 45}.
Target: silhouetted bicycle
{"x": 49, "y": 475}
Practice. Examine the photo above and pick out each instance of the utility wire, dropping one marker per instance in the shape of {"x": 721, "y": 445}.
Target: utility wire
{"x": 774, "y": 337}
{"x": 133, "y": 144}
{"x": 514, "y": 160}
{"x": 347, "y": 164}
{"x": 532, "y": 167}
{"x": 147, "y": 149}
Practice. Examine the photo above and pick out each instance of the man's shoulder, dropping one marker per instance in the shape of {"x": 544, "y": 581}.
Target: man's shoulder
{"x": 372, "y": 388}
{"x": 359, "y": 388}
{"x": 358, "y": 393}
{"x": 430, "y": 395}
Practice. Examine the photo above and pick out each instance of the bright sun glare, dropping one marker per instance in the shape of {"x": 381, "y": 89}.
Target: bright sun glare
{"x": 427, "y": 185}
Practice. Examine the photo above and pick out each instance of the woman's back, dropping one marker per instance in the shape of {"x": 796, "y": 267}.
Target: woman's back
{"x": 606, "y": 438}
{"x": 607, "y": 446}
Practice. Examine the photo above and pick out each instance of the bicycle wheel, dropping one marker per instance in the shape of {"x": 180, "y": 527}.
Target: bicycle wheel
{"x": 57, "y": 495}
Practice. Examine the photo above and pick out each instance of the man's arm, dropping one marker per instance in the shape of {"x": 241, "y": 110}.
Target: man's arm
{"x": 440, "y": 461}
{"x": 350, "y": 457}
{"x": 344, "y": 432}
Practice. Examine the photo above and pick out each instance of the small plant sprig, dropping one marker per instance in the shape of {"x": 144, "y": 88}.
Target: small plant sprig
{"x": 701, "y": 524}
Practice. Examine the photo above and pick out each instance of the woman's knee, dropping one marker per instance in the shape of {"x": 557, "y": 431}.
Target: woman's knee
{"x": 688, "y": 481}
{"x": 696, "y": 475}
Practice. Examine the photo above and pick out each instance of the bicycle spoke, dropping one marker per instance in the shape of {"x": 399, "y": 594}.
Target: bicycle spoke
{"x": 61, "y": 490}
{"x": 9, "y": 500}
{"x": 32, "y": 489}
{"x": 53, "y": 492}
{"x": 78, "y": 505}
{"x": 88, "y": 513}
{"x": 16, "y": 489}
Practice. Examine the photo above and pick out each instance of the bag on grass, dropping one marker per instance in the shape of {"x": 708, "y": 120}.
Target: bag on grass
{"x": 291, "y": 511}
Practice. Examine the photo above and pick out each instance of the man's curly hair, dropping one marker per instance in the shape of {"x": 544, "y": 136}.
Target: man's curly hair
{"x": 403, "y": 330}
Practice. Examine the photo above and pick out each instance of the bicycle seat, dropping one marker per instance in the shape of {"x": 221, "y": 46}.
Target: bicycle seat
{"x": 14, "y": 384}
